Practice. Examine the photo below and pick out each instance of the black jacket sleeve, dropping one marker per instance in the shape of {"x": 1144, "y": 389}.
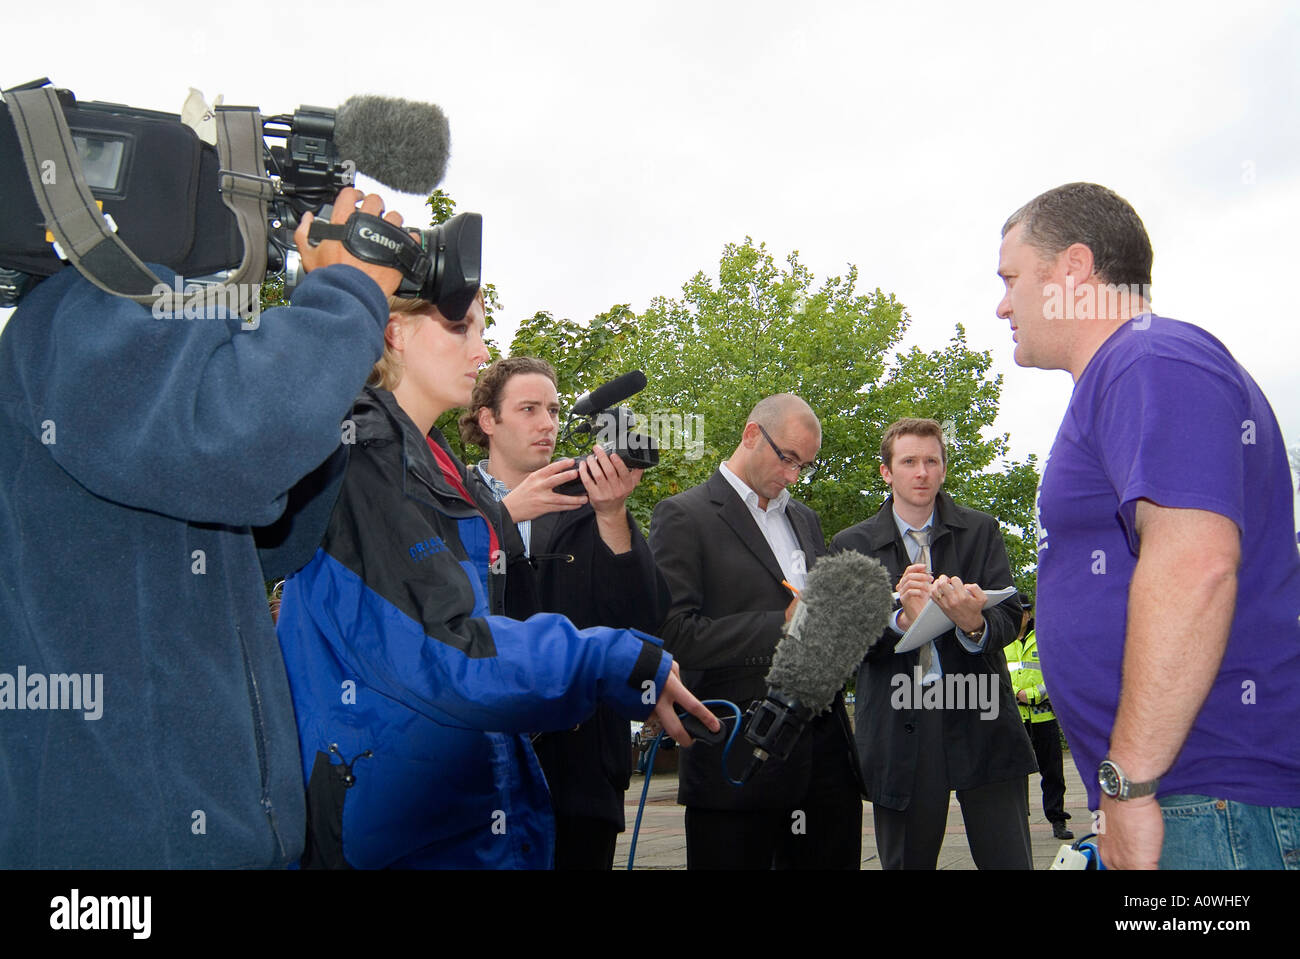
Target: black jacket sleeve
{"x": 696, "y": 638}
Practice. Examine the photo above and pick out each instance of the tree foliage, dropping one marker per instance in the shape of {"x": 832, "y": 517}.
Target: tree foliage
{"x": 763, "y": 327}
{"x": 272, "y": 292}
{"x": 441, "y": 207}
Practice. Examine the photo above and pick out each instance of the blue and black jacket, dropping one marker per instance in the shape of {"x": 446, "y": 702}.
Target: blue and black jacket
{"x": 398, "y": 664}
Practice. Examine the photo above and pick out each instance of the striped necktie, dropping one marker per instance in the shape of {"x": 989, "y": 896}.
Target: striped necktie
{"x": 921, "y": 537}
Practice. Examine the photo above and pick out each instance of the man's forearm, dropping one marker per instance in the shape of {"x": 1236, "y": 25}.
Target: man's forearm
{"x": 1181, "y": 603}
{"x": 615, "y": 531}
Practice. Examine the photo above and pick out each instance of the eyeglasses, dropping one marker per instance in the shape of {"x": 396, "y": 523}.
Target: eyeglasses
{"x": 805, "y": 470}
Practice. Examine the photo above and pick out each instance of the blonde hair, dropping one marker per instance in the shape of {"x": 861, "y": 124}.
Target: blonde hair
{"x": 387, "y": 371}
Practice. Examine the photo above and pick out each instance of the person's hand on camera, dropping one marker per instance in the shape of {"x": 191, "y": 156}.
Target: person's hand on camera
{"x": 608, "y": 481}
{"x": 329, "y": 252}
{"x": 536, "y": 495}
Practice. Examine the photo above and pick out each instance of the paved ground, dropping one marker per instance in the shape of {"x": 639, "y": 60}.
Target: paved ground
{"x": 662, "y": 840}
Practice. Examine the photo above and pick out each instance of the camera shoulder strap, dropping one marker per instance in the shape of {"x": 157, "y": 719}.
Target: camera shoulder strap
{"x": 245, "y": 188}
{"x": 84, "y": 236}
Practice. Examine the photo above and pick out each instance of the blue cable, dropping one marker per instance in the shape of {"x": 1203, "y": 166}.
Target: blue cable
{"x": 650, "y": 767}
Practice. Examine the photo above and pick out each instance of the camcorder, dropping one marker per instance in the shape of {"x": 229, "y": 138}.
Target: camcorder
{"x": 107, "y": 188}
{"x": 599, "y": 414}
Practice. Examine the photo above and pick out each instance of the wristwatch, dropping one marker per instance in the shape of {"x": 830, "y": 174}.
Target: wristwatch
{"x": 1116, "y": 785}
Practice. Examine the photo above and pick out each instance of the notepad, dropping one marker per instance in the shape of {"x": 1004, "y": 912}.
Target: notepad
{"x": 934, "y": 622}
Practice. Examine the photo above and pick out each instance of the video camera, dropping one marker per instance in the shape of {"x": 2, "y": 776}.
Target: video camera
{"x": 614, "y": 427}
{"x": 107, "y": 188}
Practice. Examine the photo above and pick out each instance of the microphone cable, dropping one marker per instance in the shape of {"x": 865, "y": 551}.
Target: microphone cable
{"x": 654, "y": 749}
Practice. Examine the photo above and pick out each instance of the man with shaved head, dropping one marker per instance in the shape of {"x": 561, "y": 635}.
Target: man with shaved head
{"x": 725, "y": 546}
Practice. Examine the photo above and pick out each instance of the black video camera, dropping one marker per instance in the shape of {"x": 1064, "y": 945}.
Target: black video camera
{"x": 613, "y": 427}
{"x": 169, "y": 197}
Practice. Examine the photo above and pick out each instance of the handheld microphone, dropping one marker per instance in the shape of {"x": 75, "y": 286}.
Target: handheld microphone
{"x": 610, "y": 394}
{"x": 401, "y": 143}
{"x": 841, "y": 612}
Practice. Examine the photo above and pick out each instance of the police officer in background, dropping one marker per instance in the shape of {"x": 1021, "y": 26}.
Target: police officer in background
{"x": 1040, "y": 722}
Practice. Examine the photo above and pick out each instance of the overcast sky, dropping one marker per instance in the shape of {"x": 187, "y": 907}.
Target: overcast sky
{"x": 614, "y": 149}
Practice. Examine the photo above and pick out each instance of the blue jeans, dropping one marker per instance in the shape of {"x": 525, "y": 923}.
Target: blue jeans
{"x": 1202, "y": 832}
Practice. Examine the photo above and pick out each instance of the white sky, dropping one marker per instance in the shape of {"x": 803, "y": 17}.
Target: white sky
{"x": 614, "y": 150}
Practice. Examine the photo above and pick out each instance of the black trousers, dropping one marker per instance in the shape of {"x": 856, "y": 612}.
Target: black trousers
{"x": 996, "y": 814}
{"x": 1046, "y": 738}
{"x": 582, "y": 842}
{"x": 822, "y": 832}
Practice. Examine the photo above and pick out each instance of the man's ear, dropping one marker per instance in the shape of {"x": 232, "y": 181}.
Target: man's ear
{"x": 1079, "y": 261}
{"x": 486, "y": 421}
{"x": 750, "y": 436}
{"x": 884, "y": 474}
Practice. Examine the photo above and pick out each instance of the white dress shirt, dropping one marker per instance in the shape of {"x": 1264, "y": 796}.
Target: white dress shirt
{"x": 775, "y": 527}
{"x": 914, "y": 556}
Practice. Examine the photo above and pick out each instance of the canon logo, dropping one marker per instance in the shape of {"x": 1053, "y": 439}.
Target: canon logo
{"x": 369, "y": 234}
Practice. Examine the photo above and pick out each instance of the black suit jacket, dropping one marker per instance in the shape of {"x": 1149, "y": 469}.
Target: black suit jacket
{"x": 968, "y": 544}
{"x": 728, "y": 610}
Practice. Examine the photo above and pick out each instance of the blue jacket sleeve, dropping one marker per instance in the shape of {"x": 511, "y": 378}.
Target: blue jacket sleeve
{"x": 477, "y": 672}
{"x": 196, "y": 419}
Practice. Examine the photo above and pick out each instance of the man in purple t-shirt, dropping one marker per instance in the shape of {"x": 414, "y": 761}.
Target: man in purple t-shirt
{"x": 1168, "y": 577}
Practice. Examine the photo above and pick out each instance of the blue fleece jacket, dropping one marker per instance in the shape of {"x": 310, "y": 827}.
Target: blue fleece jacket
{"x": 139, "y": 454}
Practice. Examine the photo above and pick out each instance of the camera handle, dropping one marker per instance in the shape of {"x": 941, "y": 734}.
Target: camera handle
{"x": 374, "y": 240}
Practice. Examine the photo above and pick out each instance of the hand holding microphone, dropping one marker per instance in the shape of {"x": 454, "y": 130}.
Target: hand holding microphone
{"x": 676, "y": 694}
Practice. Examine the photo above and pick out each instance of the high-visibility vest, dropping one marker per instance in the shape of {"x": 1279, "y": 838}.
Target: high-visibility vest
{"x": 1027, "y": 674}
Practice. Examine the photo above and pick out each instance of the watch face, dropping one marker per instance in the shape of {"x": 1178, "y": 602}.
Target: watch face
{"x": 1108, "y": 778}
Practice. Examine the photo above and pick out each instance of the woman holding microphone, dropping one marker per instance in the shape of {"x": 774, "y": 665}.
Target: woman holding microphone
{"x": 414, "y": 695}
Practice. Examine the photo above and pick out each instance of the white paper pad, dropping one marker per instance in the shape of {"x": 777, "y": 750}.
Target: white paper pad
{"x": 934, "y": 622}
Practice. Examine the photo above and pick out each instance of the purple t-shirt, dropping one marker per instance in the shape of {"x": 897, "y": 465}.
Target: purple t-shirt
{"x": 1163, "y": 412}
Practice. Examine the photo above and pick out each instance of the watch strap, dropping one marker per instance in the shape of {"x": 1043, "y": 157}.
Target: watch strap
{"x": 1127, "y": 788}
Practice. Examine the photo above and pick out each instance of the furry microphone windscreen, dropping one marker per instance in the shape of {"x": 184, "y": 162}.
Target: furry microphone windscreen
{"x": 401, "y": 143}
{"x": 843, "y": 608}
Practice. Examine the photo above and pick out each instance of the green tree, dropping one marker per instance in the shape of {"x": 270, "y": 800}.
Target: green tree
{"x": 761, "y": 327}
{"x": 441, "y": 207}
{"x": 272, "y": 292}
